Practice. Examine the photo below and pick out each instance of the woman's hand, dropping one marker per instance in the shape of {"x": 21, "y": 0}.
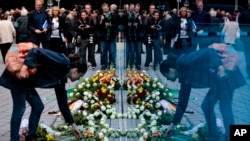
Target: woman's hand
{"x": 76, "y": 131}
{"x": 170, "y": 130}
{"x": 23, "y": 73}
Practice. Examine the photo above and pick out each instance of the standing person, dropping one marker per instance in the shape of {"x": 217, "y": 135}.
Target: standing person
{"x": 85, "y": 29}
{"x": 96, "y": 20}
{"x": 40, "y": 25}
{"x": 107, "y": 35}
{"x": 185, "y": 30}
{"x": 21, "y": 25}
{"x": 168, "y": 31}
{"x": 154, "y": 36}
{"x": 7, "y": 34}
{"x": 215, "y": 68}
{"x": 36, "y": 67}
{"x": 70, "y": 31}
{"x": 56, "y": 42}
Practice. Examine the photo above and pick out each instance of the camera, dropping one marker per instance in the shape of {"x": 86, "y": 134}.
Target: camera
{"x": 82, "y": 26}
{"x": 158, "y": 27}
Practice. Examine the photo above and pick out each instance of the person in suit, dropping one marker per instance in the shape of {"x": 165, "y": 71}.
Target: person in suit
{"x": 214, "y": 67}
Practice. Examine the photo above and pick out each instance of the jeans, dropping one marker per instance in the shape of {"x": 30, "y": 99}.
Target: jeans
{"x": 133, "y": 53}
{"x": 19, "y": 97}
{"x": 108, "y": 47}
{"x": 158, "y": 57}
{"x": 221, "y": 92}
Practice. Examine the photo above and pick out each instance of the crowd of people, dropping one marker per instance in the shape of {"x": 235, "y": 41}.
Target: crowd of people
{"x": 60, "y": 30}
{"x": 83, "y": 29}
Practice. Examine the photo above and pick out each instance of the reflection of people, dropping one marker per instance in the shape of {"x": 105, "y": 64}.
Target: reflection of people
{"x": 28, "y": 67}
{"x": 215, "y": 68}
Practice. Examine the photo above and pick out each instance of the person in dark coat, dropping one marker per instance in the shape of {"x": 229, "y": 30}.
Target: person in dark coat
{"x": 214, "y": 67}
{"x": 40, "y": 25}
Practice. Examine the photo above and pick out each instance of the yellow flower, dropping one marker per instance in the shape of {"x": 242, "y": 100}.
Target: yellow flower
{"x": 49, "y": 137}
{"x": 140, "y": 89}
{"x": 103, "y": 90}
{"x": 195, "y": 136}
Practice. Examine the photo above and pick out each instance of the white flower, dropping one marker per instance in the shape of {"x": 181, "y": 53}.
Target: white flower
{"x": 140, "y": 125}
{"x": 147, "y": 84}
{"x": 153, "y": 95}
{"x": 159, "y": 113}
{"x": 153, "y": 129}
{"x": 91, "y": 123}
{"x": 88, "y": 85}
{"x": 92, "y": 130}
{"x": 157, "y": 98}
{"x": 100, "y": 74}
{"x": 100, "y": 135}
{"x": 157, "y": 93}
{"x": 89, "y": 95}
{"x": 134, "y": 116}
{"x": 92, "y": 101}
{"x": 103, "y": 108}
{"x": 94, "y": 84}
{"x": 80, "y": 86}
{"x": 96, "y": 113}
{"x": 108, "y": 111}
{"x": 148, "y": 113}
{"x": 105, "y": 139}
{"x": 151, "y": 101}
{"x": 153, "y": 123}
{"x": 85, "y": 93}
{"x": 157, "y": 105}
{"x": 129, "y": 116}
{"x": 102, "y": 122}
{"x": 142, "y": 108}
{"x": 142, "y": 130}
{"x": 83, "y": 83}
{"x": 154, "y": 85}
{"x": 155, "y": 79}
{"x": 141, "y": 139}
{"x": 108, "y": 106}
{"x": 119, "y": 115}
{"x": 77, "y": 93}
{"x": 161, "y": 86}
{"x": 106, "y": 125}
{"x": 112, "y": 116}
{"x": 85, "y": 105}
{"x": 85, "y": 98}
{"x": 103, "y": 131}
{"x": 86, "y": 79}
{"x": 84, "y": 113}
{"x": 145, "y": 135}
{"x": 125, "y": 115}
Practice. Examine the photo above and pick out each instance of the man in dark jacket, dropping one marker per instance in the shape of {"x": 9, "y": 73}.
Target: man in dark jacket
{"x": 213, "y": 68}
{"x": 40, "y": 24}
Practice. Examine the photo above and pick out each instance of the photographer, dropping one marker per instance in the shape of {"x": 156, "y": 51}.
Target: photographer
{"x": 154, "y": 37}
{"x": 107, "y": 36}
{"x": 85, "y": 30}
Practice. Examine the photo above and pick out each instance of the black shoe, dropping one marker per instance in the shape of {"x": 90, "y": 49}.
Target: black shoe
{"x": 30, "y": 138}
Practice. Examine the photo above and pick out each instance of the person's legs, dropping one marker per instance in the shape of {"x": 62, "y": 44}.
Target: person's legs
{"x": 104, "y": 57}
{"x": 226, "y": 96}
{"x": 83, "y": 49}
{"x": 44, "y": 41}
{"x": 138, "y": 45}
{"x": 112, "y": 53}
{"x": 36, "y": 110}
{"x": 208, "y": 109}
{"x": 148, "y": 54}
{"x": 19, "y": 102}
{"x": 4, "y": 49}
{"x": 157, "y": 53}
{"x": 91, "y": 54}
